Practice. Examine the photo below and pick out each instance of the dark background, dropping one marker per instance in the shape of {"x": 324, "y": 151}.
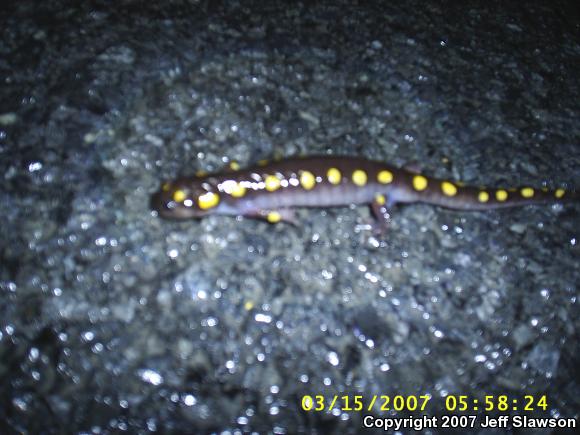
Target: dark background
{"x": 112, "y": 319}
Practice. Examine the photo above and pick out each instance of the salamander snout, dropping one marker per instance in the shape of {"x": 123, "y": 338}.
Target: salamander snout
{"x": 156, "y": 202}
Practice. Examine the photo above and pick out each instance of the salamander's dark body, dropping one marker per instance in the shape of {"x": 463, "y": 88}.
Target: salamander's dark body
{"x": 271, "y": 190}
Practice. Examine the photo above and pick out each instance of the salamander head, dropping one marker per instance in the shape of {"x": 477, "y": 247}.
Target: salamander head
{"x": 184, "y": 199}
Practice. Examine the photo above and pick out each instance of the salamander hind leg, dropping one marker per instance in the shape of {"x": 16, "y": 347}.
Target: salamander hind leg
{"x": 380, "y": 208}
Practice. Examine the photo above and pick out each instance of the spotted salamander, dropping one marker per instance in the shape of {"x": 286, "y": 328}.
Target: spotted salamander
{"x": 271, "y": 190}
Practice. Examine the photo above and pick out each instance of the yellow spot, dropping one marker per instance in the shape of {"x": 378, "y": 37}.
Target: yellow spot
{"x": 248, "y": 305}
{"x": 238, "y": 190}
{"x": 334, "y": 176}
{"x": 274, "y": 217}
{"x": 359, "y": 177}
{"x": 527, "y": 192}
{"x": 179, "y": 195}
{"x": 420, "y": 182}
{"x": 208, "y": 200}
{"x": 166, "y": 187}
{"x": 385, "y": 177}
{"x": 234, "y": 166}
{"x": 232, "y": 187}
{"x": 483, "y": 196}
{"x": 559, "y": 193}
{"x": 201, "y": 173}
{"x": 263, "y": 162}
{"x": 380, "y": 199}
{"x": 448, "y": 188}
{"x": 272, "y": 183}
{"x": 501, "y": 195}
{"x": 307, "y": 180}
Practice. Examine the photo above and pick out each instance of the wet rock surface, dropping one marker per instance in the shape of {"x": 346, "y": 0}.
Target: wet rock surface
{"x": 113, "y": 319}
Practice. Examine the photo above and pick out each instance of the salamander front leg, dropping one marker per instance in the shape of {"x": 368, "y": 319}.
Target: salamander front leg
{"x": 413, "y": 167}
{"x": 274, "y": 216}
